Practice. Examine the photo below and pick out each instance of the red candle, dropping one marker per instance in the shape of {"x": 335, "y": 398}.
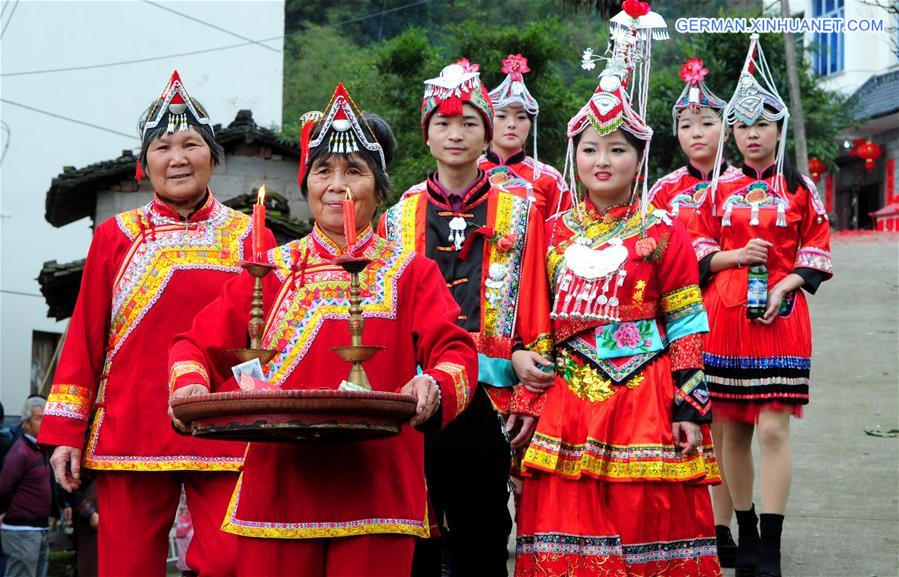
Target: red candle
{"x": 259, "y": 225}
{"x": 349, "y": 221}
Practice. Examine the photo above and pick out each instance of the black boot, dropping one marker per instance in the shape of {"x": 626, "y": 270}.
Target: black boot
{"x": 748, "y": 543}
{"x": 727, "y": 549}
{"x": 769, "y": 551}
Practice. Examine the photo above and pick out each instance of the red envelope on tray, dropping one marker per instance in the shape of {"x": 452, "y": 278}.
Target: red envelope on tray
{"x": 248, "y": 382}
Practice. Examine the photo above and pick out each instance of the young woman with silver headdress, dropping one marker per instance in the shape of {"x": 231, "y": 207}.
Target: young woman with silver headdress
{"x": 698, "y": 126}
{"x": 758, "y": 369}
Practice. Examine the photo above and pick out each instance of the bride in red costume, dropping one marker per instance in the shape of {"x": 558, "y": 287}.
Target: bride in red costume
{"x": 617, "y": 473}
{"x": 337, "y": 508}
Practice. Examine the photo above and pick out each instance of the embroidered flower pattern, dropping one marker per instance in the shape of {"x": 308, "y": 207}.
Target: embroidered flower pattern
{"x": 627, "y": 336}
{"x": 589, "y": 383}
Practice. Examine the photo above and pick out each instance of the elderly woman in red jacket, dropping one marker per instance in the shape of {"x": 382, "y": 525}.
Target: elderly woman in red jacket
{"x": 340, "y": 508}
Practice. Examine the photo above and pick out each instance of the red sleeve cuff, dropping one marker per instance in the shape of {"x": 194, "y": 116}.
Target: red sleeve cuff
{"x": 61, "y": 432}
{"x": 455, "y": 389}
{"x": 183, "y": 373}
{"x": 524, "y": 402}
{"x": 686, "y": 352}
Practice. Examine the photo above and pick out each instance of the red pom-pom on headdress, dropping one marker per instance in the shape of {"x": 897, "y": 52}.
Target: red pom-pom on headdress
{"x": 635, "y": 8}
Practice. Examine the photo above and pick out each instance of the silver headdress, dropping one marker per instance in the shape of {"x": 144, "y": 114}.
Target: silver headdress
{"x": 748, "y": 105}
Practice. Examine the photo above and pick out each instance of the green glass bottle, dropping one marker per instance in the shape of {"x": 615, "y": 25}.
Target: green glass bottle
{"x": 757, "y": 291}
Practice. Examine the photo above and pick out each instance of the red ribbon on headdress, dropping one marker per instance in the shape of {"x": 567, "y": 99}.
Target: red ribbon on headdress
{"x": 305, "y": 137}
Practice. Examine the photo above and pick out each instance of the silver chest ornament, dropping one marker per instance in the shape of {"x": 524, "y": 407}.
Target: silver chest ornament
{"x": 588, "y": 287}
{"x": 496, "y": 276}
{"x": 457, "y": 228}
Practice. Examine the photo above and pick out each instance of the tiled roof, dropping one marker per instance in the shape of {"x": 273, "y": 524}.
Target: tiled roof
{"x": 877, "y": 97}
{"x": 60, "y": 284}
{"x": 73, "y": 193}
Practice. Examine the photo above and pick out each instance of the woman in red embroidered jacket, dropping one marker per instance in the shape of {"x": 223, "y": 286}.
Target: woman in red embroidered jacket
{"x": 698, "y": 127}
{"x": 148, "y": 272}
{"x": 617, "y": 473}
{"x": 505, "y": 162}
{"x": 340, "y": 508}
{"x": 758, "y": 370}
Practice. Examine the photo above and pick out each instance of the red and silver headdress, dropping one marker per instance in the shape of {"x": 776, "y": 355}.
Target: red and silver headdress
{"x": 752, "y": 101}
{"x": 625, "y": 79}
{"x": 512, "y": 90}
{"x": 342, "y": 126}
{"x": 176, "y": 107}
{"x": 458, "y": 84}
{"x": 695, "y": 93}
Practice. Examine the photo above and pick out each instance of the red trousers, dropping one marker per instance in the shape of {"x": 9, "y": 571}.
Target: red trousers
{"x": 137, "y": 511}
{"x": 364, "y": 556}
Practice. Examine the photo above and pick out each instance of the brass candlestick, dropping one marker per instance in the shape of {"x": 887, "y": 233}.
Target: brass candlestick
{"x": 356, "y": 352}
{"x": 257, "y": 322}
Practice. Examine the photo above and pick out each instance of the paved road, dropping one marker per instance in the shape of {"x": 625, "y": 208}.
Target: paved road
{"x": 843, "y": 515}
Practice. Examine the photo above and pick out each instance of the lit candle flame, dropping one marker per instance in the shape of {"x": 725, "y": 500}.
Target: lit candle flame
{"x": 260, "y": 199}
{"x": 349, "y": 193}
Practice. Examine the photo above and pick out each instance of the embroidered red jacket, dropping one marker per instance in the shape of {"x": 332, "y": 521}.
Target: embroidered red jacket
{"x": 681, "y": 191}
{"x": 148, "y": 272}
{"x": 334, "y": 489}
{"x": 748, "y": 207}
{"x": 659, "y": 295}
{"x": 547, "y": 187}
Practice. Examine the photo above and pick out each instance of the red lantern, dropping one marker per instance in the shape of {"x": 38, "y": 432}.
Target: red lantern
{"x": 816, "y": 166}
{"x": 869, "y": 152}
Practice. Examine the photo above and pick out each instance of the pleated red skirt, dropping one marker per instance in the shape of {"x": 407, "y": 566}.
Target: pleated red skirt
{"x": 751, "y": 367}
{"x": 606, "y": 491}
{"x": 587, "y": 528}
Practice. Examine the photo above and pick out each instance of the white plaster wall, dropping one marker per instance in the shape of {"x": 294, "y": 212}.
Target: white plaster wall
{"x": 866, "y": 53}
{"x": 43, "y": 35}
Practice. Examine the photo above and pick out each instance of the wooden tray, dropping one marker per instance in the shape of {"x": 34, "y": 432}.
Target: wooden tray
{"x": 295, "y": 415}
